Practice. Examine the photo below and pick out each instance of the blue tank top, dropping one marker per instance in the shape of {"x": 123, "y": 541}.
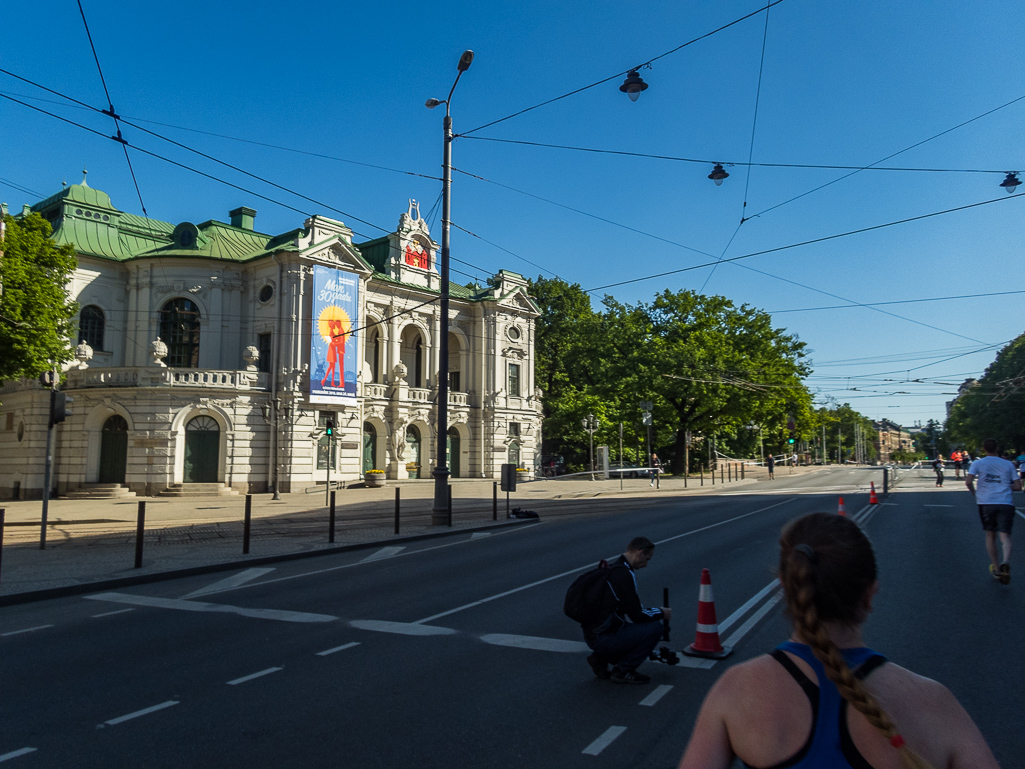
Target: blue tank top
{"x": 829, "y": 746}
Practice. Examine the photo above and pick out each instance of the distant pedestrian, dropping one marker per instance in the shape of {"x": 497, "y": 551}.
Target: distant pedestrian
{"x": 997, "y": 479}
{"x": 656, "y": 470}
{"x": 955, "y": 457}
{"x": 770, "y": 465}
{"x": 937, "y": 466}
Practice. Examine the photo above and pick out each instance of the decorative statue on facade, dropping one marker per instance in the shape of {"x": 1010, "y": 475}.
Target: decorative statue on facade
{"x": 83, "y": 354}
{"x": 252, "y": 355}
{"x": 399, "y": 372}
{"x": 398, "y": 442}
{"x": 158, "y": 351}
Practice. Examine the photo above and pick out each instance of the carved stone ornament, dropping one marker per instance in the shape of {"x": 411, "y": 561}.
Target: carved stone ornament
{"x": 399, "y": 372}
{"x": 83, "y": 354}
{"x": 398, "y": 442}
{"x": 158, "y": 351}
{"x": 252, "y": 355}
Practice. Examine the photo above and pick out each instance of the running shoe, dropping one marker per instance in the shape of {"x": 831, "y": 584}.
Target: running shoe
{"x": 994, "y": 572}
{"x": 629, "y": 677}
{"x": 1005, "y": 574}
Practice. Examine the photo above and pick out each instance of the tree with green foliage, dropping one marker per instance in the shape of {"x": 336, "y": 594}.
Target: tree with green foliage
{"x": 839, "y": 422}
{"x": 994, "y": 405}
{"x": 36, "y": 314}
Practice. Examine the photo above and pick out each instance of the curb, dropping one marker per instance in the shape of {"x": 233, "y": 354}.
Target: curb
{"x": 143, "y": 579}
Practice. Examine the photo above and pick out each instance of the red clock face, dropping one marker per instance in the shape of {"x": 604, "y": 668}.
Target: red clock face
{"x": 417, "y": 257}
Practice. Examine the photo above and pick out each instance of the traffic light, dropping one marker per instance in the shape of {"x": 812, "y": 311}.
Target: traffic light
{"x": 330, "y": 425}
{"x": 791, "y": 440}
{"x": 60, "y": 410}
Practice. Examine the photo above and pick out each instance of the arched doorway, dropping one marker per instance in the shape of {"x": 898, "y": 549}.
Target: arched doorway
{"x": 369, "y": 447}
{"x": 453, "y": 453}
{"x": 202, "y": 450}
{"x": 113, "y": 450}
{"x": 413, "y": 451}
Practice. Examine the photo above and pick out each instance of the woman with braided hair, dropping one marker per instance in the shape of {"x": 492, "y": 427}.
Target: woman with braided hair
{"x": 823, "y": 699}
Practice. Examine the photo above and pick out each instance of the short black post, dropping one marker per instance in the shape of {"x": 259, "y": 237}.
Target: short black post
{"x": 2, "y": 513}
{"x": 331, "y": 520}
{"x": 729, "y": 472}
{"x": 886, "y": 480}
{"x": 450, "y": 505}
{"x": 396, "y": 509}
{"x": 507, "y": 515}
{"x": 140, "y": 530}
{"x": 742, "y": 469}
{"x": 494, "y": 501}
{"x": 720, "y": 474}
{"x": 711, "y": 471}
{"x": 247, "y": 525}
{"x": 701, "y": 470}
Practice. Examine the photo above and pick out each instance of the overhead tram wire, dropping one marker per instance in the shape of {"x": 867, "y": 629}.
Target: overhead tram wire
{"x": 898, "y": 301}
{"x": 110, "y": 110}
{"x": 620, "y": 74}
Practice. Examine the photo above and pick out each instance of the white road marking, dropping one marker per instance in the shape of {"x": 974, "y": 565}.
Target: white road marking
{"x": 251, "y": 676}
{"x": 750, "y": 602}
{"x": 753, "y": 620}
{"x": 533, "y": 642}
{"x": 26, "y": 630}
{"x": 401, "y": 628}
{"x": 656, "y": 695}
{"x": 479, "y": 534}
{"x": 701, "y": 663}
{"x": 384, "y": 552}
{"x": 588, "y": 566}
{"x": 604, "y": 741}
{"x": 16, "y": 753}
{"x": 1020, "y": 513}
{"x": 229, "y": 582}
{"x": 341, "y": 648}
{"x": 112, "y": 613}
{"x": 143, "y": 712}
{"x": 182, "y": 605}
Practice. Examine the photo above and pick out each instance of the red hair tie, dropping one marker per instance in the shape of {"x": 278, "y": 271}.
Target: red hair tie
{"x": 897, "y": 741}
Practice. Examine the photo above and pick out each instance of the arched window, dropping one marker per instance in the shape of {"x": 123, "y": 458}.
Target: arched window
{"x": 90, "y": 327}
{"x": 179, "y": 330}
{"x": 418, "y": 375}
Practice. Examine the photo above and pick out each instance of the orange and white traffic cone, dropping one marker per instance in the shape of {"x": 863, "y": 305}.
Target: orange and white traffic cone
{"x": 872, "y": 498}
{"x": 706, "y": 642}
{"x": 842, "y": 511}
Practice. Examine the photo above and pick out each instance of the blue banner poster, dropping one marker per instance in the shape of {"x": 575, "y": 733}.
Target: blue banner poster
{"x": 333, "y": 349}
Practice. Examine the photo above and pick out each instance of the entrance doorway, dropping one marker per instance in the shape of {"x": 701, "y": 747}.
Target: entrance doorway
{"x": 369, "y": 446}
{"x": 113, "y": 450}
{"x": 202, "y": 450}
{"x": 453, "y": 453}
{"x": 413, "y": 446}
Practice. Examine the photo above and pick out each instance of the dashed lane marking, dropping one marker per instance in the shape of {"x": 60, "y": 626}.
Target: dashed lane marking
{"x": 726, "y": 623}
{"x": 341, "y": 648}
{"x": 753, "y": 620}
{"x": 533, "y": 642}
{"x": 384, "y": 552}
{"x": 251, "y": 676}
{"x": 479, "y": 534}
{"x": 16, "y": 753}
{"x": 604, "y": 741}
{"x": 229, "y": 582}
{"x": 177, "y": 603}
{"x": 143, "y": 712}
{"x": 400, "y": 628}
{"x": 26, "y": 630}
{"x": 656, "y": 695}
{"x": 112, "y": 613}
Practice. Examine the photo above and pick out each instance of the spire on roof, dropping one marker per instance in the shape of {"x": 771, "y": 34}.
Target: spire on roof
{"x": 84, "y": 174}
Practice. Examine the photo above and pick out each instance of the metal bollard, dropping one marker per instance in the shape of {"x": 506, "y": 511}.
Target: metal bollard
{"x": 721, "y": 474}
{"x": 742, "y": 471}
{"x": 886, "y": 480}
{"x": 140, "y": 530}
{"x": 701, "y": 470}
{"x": 247, "y": 524}
{"x": 450, "y": 505}
{"x": 729, "y": 472}
{"x": 494, "y": 501}
{"x": 331, "y": 520}
{"x": 396, "y": 509}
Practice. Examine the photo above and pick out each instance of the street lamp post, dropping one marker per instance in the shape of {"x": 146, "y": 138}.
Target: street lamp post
{"x": 591, "y": 425}
{"x": 439, "y": 513}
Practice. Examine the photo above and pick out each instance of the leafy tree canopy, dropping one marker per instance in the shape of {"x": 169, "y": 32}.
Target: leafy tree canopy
{"x": 36, "y": 315}
{"x": 993, "y": 406}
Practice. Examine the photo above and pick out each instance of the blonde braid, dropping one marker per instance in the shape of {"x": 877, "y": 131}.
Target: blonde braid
{"x": 802, "y": 605}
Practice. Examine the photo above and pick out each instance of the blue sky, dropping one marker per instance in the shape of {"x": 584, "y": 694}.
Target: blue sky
{"x": 841, "y": 85}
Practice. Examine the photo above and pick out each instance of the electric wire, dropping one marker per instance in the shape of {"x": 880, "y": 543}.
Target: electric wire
{"x": 897, "y": 301}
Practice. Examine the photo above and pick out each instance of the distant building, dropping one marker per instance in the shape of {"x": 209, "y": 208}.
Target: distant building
{"x": 216, "y": 354}
{"x": 964, "y": 387}
{"x": 891, "y": 437}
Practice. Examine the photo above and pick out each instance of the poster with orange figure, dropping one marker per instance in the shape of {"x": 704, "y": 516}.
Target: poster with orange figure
{"x": 333, "y": 362}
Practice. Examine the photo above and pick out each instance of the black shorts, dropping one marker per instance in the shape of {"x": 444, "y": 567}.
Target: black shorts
{"x": 997, "y": 517}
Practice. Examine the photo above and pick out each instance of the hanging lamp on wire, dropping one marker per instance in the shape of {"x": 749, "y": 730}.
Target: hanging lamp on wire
{"x": 633, "y": 85}
{"x": 718, "y": 174}
{"x": 1011, "y": 182}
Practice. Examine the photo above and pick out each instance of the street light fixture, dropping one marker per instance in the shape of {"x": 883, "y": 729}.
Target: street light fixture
{"x": 633, "y": 85}
{"x": 591, "y": 425}
{"x": 718, "y": 174}
{"x": 1011, "y": 182}
{"x": 439, "y": 513}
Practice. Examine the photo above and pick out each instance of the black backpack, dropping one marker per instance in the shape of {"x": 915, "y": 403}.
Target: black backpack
{"x": 584, "y": 598}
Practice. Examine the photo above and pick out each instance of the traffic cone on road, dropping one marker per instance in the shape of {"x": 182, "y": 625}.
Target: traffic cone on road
{"x": 872, "y": 498}
{"x": 706, "y": 642}
{"x": 842, "y": 511}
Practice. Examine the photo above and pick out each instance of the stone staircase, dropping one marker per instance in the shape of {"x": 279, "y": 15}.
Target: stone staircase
{"x": 198, "y": 490}
{"x": 100, "y": 491}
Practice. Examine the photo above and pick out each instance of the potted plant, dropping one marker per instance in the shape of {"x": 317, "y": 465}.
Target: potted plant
{"x": 522, "y": 474}
{"x": 374, "y": 478}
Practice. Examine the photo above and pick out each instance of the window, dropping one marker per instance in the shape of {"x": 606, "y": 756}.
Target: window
{"x": 325, "y": 446}
{"x": 179, "y": 330}
{"x": 514, "y": 429}
{"x": 453, "y": 381}
{"x": 514, "y": 378}
{"x": 90, "y": 327}
{"x": 264, "y": 346}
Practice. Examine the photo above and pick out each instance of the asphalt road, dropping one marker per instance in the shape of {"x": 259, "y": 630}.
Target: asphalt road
{"x": 455, "y": 652}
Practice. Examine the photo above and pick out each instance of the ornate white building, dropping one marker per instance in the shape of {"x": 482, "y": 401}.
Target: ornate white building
{"x": 195, "y": 351}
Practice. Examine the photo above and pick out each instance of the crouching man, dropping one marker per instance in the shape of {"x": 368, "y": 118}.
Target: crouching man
{"x": 628, "y": 631}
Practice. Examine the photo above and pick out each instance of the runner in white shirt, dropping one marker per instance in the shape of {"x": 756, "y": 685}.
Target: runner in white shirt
{"x": 997, "y": 479}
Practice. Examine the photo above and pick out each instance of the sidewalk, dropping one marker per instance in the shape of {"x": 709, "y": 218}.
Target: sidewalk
{"x": 91, "y": 544}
